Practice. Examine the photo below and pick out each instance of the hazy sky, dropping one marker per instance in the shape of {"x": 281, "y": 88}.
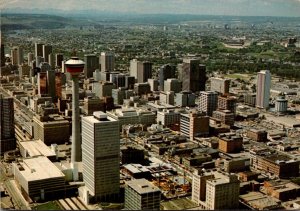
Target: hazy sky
{"x": 201, "y": 7}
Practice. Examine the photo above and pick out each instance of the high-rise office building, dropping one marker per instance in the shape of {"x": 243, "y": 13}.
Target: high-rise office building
{"x": 166, "y": 98}
{"x": 153, "y": 84}
{"x": 58, "y": 59}
{"x": 220, "y": 85}
{"x": 101, "y": 155}
{"x": 51, "y": 84}
{"x": 39, "y": 60}
{"x": 227, "y": 103}
{"x": 166, "y": 72}
{"x": 103, "y": 89}
{"x": 172, "y": 84}
{"x": 51, "y": 60}
{"x": 16, "y": 55}
{"x": 118, "y": 79}
{"x": 24, "y": 70}
{"x": 208, "y": 102}
{"x": 47, "y": 49}
{"x": 263, "y": 89}
{"x": 42, "y": 83}
{"x": 30, "y": 58}
{"x": 142, "y": 71}
{"x": 193, "y": 75}
{"x": 91, "y": 64}
{"x": 194, "y": 124}
{"x": 133, "y": 69}
{"x": 140, "y": 194}
{"x": 185, "y": 98}
{"x": 2, "y": 55}
{"x": 38, "y": 49}
{"x": 129, "y": 82}
{"x": 107, "y": 61}
{"x": 7, "y": 129}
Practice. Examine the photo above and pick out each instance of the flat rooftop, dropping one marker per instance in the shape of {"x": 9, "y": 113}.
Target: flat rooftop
{"x": 142, "y": 186}
{"x": 93, "y": 119}
{"x": 179, "y": 204}
{"x": 259, "y": 201}
{"x": 284, "y": 120}
{"x": 39, "y": 168}
{"x": 37, "y": 148}
{"x": 136, "y": 168}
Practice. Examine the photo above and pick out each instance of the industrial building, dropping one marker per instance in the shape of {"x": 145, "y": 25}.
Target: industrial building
{"x": 39, "y": 177}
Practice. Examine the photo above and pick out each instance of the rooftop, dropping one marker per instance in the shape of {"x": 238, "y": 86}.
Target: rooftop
{"x": 179, "y": 204}
{"x": 38, "y": 168}
{"x": 36, "y": 148}
{"x": 142, "y": 186}
{"x": 259, "y": 201}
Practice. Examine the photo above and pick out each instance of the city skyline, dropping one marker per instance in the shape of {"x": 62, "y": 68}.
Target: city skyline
{"x": 289, "y": 8}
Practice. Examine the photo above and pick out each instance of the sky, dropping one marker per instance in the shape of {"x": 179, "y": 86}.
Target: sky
{"x": 199, "y": 7}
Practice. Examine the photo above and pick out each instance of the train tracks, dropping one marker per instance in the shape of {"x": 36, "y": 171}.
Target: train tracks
{"x": 74, "y": 203}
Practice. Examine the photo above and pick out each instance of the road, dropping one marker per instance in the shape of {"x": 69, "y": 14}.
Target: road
{"x": 18, "y": 104}
{"x": 16, "y": 195}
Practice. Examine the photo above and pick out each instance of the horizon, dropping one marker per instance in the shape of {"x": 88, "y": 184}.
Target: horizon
{"x": 251, "y": 8}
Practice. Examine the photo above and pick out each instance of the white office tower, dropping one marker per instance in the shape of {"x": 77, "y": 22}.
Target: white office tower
{"x": 100, "y": 156}
{"x": 263, "y": 89}
{"x": 133, "y": 69}
{"x": 107, "y": 61}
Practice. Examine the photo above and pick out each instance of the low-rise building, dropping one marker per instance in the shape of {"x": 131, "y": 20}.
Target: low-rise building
{"x": 230, "y": 143}
{"x": 279, "y": 165}
{"x": 47, "y": 131}
{"x": 194, "y": 124}
{"x": 236, "y": 164}
{"x": 257, "y": 135}
{"x": 39, "y": 177}
{"x": 140, "y": 194}
{"x": 225, "y": 116}
{"x": 168, "y": 117}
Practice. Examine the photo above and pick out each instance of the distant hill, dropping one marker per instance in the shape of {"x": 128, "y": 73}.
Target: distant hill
{"x": 33, "y": 21}
{"x": 12, "y": 19}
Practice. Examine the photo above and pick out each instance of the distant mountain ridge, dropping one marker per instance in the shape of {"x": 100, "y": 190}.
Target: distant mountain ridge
{"x": 12, "y": 19}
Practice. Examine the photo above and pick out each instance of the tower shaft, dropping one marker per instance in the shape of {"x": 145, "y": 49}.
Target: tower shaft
{"x": 76, "y": 145}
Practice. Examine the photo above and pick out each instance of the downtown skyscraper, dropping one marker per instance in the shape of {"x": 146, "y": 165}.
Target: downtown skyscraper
{"x": 263, "y": 89}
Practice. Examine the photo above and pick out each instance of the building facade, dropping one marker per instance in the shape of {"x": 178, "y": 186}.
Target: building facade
{"x": 107, "y": 61}
{"x": 140, "y": 194}
{"x": 263, "y": 89}
{"x": 193, "y": 75}
{"x": 101, "y": 156}
{"x": 220, "y": 85}
{"x": 208, "y": 102}
{"x": 7, "y": 128}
